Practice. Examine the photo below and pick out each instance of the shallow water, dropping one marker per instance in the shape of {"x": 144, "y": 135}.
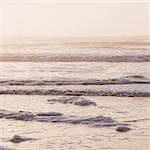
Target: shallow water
{"x": 81, "y": 74}
{"x": 36, "y": 69}
{"x": 71, "y": 70}
{"x": 65, "y": 136}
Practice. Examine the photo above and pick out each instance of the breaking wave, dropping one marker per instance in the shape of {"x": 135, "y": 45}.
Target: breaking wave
{"x": 123, "y": 80}
{"x": 128, "y": 86}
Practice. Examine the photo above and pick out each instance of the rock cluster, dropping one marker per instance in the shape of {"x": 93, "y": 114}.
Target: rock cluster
{"x": 57, "y": 117}
{"x": 76, "y": 100}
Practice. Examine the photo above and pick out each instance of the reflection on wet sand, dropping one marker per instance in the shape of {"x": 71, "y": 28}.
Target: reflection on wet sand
{"x": 58, "y": 135}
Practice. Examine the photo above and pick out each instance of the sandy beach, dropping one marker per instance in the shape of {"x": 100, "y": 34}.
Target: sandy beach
{"x": 135, "y": 111}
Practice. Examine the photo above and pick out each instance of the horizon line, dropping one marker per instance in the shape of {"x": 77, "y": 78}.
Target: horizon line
{"x": 142, "y": 38}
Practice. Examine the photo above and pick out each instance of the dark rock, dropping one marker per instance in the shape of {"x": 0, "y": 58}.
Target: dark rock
{"x": 84, "y": 102}
{"x": 98, "y": 121}
{"x": 122, "y": 128}
{"x": 50, "y": 114}
{"x": 56, "y": 117}
{"x": 64, "y": 100}
{"x": 18, "y": 139}
{"x": 22, "y": 115}
{"x": 76, "y": 100}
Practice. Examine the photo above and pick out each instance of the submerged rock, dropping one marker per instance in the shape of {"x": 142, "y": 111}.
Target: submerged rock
{"x": 122, "y": 128}
{"x": 76, "y": 100}
{"x": 56, "y": 117}
{"x": 84, "y": 102}
{"x": 18, "y": 139}
{"x": 64, "y": 100}
{"x": 94, "y": 121}
{"x": 3, "y": 113}
{"x": 21, "y": 115}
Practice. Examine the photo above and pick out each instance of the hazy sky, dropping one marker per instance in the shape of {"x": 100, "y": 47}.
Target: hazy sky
{"x": 73, "y": 19}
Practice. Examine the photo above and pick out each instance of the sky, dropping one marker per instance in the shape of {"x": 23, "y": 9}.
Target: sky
{"x": 73, "y": 18}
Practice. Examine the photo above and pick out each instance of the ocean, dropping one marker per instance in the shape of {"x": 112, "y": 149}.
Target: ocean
{"x": 57, "y": 77}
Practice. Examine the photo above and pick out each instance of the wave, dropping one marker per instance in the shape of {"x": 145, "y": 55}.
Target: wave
{"x": 134, "y": 79}
{"x": 128, "y": 86}
{"x": 76, "y": 92}
{"x": 74, "y": 58}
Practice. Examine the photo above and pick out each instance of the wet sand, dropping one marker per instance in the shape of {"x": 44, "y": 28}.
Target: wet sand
{"x": 48, "y": 135}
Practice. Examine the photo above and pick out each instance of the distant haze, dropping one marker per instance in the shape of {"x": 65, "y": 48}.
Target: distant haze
{"x": 73, "y": 19}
